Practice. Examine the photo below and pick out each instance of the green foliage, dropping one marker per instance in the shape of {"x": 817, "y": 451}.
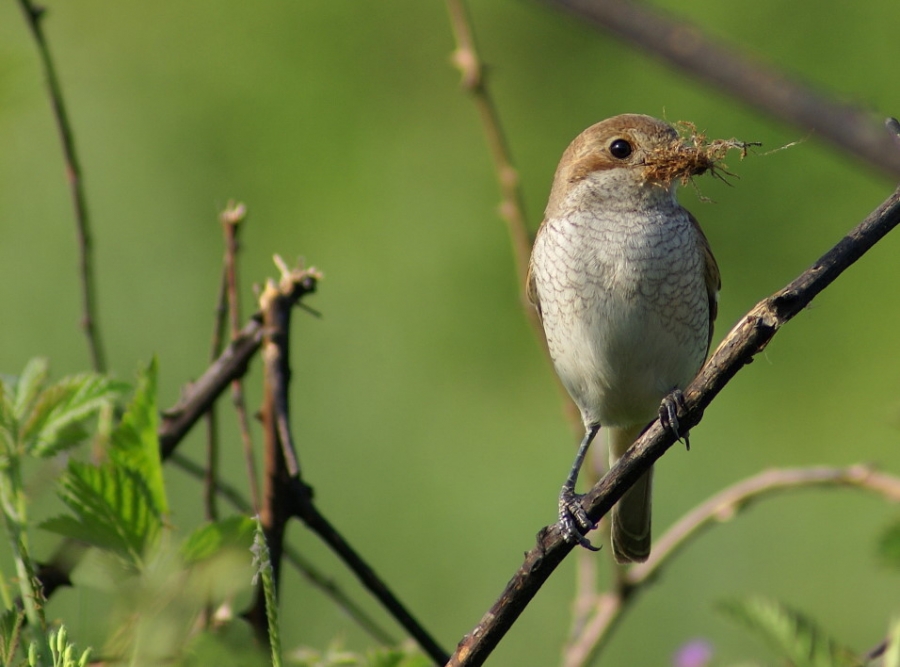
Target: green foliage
{"x": 791, "y": 634}
{"x": 235, "y": 532}
{"x": 112, "y": 509}
{"x": 39, "y": 420}
{"x": 135, "y": 441}
{"x": 119, "y": 505}
{"x": 63, "y": 653}
{"x": 262, "y": 563}
{"x": 336, "y": 656}
{"x": 43, "y": 420}
{"x": 10, "y": 634}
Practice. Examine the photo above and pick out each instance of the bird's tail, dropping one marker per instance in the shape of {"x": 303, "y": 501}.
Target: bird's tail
{"x": 630, "y": 517}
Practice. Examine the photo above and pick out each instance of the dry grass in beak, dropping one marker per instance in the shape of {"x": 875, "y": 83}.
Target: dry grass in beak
{"x": 689, "y": 155}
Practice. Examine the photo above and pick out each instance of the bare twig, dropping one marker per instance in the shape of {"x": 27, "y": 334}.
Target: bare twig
{"x": 512, "y": 208}
{"x": 755, "y": 83}
{"x": 210, "y": 474}
{"x": 723, "y": 506}
{"x": 749, "y": 337}
{"x": 231, "y": 219}
{"x": 33, "y": 15}
{"x": 285, "y": 493}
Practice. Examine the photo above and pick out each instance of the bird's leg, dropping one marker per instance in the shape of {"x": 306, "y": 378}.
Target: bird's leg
{"x": 668, "y": 415}
{"x": 574, "y": 522}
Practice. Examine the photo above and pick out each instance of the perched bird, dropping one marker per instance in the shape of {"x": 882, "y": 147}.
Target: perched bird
{"x": 626, "y": 287}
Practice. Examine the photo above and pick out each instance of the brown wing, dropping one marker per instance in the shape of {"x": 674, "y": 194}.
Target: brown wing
{"x": 712, "y": 276}
{"x": 530, "y": 287}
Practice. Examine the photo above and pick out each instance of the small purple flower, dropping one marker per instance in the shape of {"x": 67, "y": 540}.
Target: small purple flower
{"x": 696, "y": 653}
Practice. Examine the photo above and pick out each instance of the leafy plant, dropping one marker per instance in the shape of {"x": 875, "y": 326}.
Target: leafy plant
{"x": 119, "y": 505}
{"x": 791, "y": 634}
{"x": 39, "y": 420}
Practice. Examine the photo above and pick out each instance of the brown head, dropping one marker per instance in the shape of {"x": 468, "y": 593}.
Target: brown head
{"x": 649, "y": 150}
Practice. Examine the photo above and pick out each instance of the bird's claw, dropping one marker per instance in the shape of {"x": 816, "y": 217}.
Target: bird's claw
{"x": 574, "y": 523}
{"x": 668, "y": 416}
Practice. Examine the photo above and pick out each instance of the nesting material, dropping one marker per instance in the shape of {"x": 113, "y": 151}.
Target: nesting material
{"x": 690, "y": 154}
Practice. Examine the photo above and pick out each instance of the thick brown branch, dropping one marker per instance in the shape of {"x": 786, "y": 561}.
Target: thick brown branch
{"x": 755, "y": 83}
{"x": 749, "y": 337}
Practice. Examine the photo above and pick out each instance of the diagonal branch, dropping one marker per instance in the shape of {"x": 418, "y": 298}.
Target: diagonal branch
{"x": 749, "y": 337}
{"x": 755, "y": 83}
{"x": 723, "y": 506}
{"x": 33, "y": 15}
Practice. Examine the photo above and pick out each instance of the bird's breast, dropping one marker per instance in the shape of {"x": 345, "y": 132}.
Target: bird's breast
{"x": 624, "y": 307}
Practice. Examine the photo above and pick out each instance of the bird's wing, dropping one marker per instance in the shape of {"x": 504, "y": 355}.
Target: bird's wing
{"x": 530, "y": 285}
{"x": 712, "y": 276}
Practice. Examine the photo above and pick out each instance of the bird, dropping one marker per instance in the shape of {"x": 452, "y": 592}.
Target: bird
{"x": 626, "y": 288}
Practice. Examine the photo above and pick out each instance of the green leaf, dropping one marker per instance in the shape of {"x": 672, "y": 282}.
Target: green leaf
{"x": 57, "y": 420}
{"x": 29, "y": 385}
{"x": 135, "y": 441}
{"x": 393, "y": 657}
{"x": 7, "y": 418}
{"x": 793, "y": 635}
{"x": 11, "y": 622}
{"x": 889, "y": 546}
{"x": 232, "y": 533}
{"x": 113, "y": 507}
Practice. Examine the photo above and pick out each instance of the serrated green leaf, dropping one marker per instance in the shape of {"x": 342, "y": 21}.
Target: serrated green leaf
{"x": 57, "y": 420}
{"x": 113, "y": 510}
{"x": 7, "y": 418}
{"x": 234, "y": 532}
{"x": 11, "y": 622}
{"x": 793, "y": 635}
{"x": 135, "y": 441}
{"x": 29, "y": 385}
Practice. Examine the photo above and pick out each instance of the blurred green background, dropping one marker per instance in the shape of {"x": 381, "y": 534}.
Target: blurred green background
{"x": 426, "y": 415}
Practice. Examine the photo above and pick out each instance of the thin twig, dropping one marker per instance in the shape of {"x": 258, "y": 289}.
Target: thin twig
{"x": 210, "y": 475}
{"x": 285, "y": 493}
{"x": 720, "y": 508}
{"x": 749, "y": 337}
{"x": 231, "y": 219}
{"x": 33, "y": 16}
{"x": 755, "y": 83}
{"x": 512, "y": 207}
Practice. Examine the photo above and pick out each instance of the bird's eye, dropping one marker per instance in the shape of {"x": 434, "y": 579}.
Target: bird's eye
{"x": 620, "y": 149}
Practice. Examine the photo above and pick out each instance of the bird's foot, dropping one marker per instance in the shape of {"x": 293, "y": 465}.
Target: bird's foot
{"x": 668, "y": 416}
{"x": 574, "y": 523}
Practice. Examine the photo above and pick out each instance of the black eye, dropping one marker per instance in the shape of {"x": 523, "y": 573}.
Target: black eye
{"x": 620, "y": 149}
